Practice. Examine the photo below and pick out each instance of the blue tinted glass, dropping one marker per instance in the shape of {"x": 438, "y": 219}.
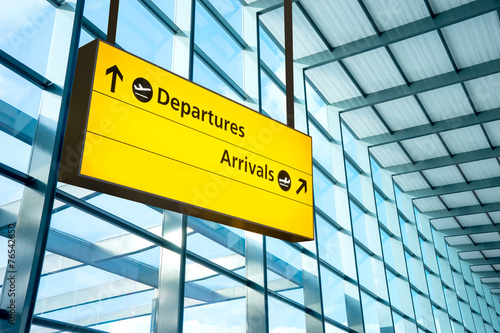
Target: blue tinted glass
{"x": 359, "y": 223}
{"x": 273, "y": 99}
{"x": 167, "y": 7}
{"x": 206, "y": 78}
{"x": 322, "y": 150}
{"x": 376, "y": 175}
{"x": 232, "y": 11}
{"x": 272, "y": 55}
{"x": 316, "y": 106}
{"x": 353, "y": 181}
{"x": 324, "y": 196}
{"x": 139, "y": 33}
{"x": 349, "y": 143}
{"x": 97, "y": 12}
{"x": 218, "y": 45}
{"x": 381, "y": 209}
{"x": 26, "y": 31}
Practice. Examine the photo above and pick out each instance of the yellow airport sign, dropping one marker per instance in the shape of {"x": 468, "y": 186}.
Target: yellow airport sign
{"x": 140, "y": 132}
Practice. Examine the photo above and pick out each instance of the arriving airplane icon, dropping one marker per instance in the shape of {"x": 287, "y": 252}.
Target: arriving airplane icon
{"x": 284, "y": 182}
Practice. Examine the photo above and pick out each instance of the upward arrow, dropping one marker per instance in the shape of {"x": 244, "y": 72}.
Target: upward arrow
{"x": 116, "y": 72}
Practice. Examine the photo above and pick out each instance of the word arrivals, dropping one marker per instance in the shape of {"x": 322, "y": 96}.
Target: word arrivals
{"x": 247, "y": 166}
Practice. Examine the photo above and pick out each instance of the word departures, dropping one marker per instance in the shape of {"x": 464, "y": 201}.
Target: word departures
{"x": 142, "y": 133}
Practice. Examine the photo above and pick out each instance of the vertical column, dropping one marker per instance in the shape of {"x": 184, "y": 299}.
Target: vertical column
{"x": 169, "y": 307}
{"x": 169, "y": 310}
{"x": 255, "y": 249}
{"x": 38, "y": 198}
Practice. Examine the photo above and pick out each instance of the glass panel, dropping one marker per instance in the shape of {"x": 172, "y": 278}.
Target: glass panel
{"x": 217, "y": 44}
{"x": 26, "y": 31}
{"x": 442, "y": 321}
{"x": 376, "y": 174}
{"x": 232, "y": 12}
{"x": 353, "y": 181}
{"x": 222, "y": 245}
{"x": 19, "y": 93}
{"x": 273, "y": 99}
{"x": 93, "y": 275}
{"x": 323, "y": 193}
{"x": 97, "y": 11}
{"x": 284, "y": 270}
{"x": 372, "y": 274}
{"x": 316, "y": 105}
{"x": 435, "y": 289}
{"x": 334, "y": 302}
{"x": 423, "y": 311}
{"x": 213, "y": 302}
{"x": 206, "y": 78}
{"x": 272, "y": 55}
{"x": 377, "y": 316}
{"x": 399, "y": 291}
{"x": 322, "y": 150}
{"x": 402, "y": 325}
{"x": 466, "y": 315}
{"x": 349, "y": 143}
{"x": 10, "y": 192}
{"x": 381, "y": 209}
{"x": 140, "y": 33}
{"x": 452, "y": 304}
{"x": 335, "y": 247}
{"x": 167, "y": 7}
{"x": 285, "y": 318}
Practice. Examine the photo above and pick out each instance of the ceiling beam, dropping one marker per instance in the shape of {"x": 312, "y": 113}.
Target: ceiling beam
{"x": 455, "y": 188}
{"x": 480, "y": 229}
{"x": 437, "y": 127}
{"x": 425, "y": 25}
{"x": 476, "y": 247}
{"x": 417, "y": 87}
{"x": 480, "y": 262}
{"x": 17, "y": 123}
{"x": 490, "y": 274}
{"x": 432, "y": 163}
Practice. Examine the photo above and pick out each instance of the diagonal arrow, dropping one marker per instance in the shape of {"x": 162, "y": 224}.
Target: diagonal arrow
{"x": 302, "y": 186}
{"x": 116, "y": 72}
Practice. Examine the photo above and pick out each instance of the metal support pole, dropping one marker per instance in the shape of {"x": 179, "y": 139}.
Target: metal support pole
{"x": 290, "y": 113}
{"x": 38, "y": 198}
{"x": 112, "y": 21}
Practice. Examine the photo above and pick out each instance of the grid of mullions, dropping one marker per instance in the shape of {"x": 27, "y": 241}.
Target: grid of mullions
{"x": 369, "y": 300}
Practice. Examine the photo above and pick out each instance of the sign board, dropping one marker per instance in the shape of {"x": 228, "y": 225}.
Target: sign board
{"x": 140, "y": 132}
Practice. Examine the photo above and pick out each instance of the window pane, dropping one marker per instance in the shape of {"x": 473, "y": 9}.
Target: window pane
{"x": 218, "y": 45}
{"x": 285, "y": 318}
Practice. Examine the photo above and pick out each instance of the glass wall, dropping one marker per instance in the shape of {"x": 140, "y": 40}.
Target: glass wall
{"x": 98, "y": 263}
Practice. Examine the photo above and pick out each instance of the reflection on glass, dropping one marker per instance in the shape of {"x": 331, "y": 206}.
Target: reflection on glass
{"x": 213, "y": 302}
{"x": 285, "y": 318}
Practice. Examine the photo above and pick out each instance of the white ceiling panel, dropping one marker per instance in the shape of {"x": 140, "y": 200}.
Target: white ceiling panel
{"x": 444, "y": 176}
{"x": 458, "y": 240}
{"x": 395, "y": 13}
{"x": 364, "y": 122}
{"x": 389, "y": 155}
{"x": 333, "y": 82}
{"x": 489, "y": 195}
{"x": 446, "y": 103}
{"x": 471, "y": 255}
{"x": 341, "y": 21}
{"x": 474, "y": 41}
{"x": 305, "y": 39}
{"x": 486, "y": 237}
{"x": 411, "y": 181}
{"x": 374, "y": 70}
{"x": 461, "y": 199}
{"x": 491, "y": 280}
{"x": 484, "y": 92}
{"x": 425, "y": 147}
{"x": 429, "y": 204}
{"x": 439, "y": 6}
{"x": 492, "y": 253}
{"x": 465, "y": 139}
{"x": 497, "y": 267}
{"x": 482, "y": 169}
{"x": 445, "y": 223}
{"x": 493, "y": 130}
{"x": 422, "y": 56}
{"x": 402, "y": 113}
{"x": 481, "y": 268}
{"x": 473, "y": 220}
{"x": 495, "y": 216}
